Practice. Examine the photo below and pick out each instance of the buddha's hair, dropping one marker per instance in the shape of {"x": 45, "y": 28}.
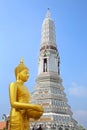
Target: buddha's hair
{"x": 19, "y": 68}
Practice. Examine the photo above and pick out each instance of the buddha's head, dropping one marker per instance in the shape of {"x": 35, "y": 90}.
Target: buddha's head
{"x": 21, "y": 72}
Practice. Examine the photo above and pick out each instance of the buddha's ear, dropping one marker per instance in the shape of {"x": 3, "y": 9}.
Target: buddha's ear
{"x": 18, "y": 76}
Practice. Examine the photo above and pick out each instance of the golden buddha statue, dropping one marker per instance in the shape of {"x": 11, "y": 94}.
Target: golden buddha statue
{"x": 21, "y": 109}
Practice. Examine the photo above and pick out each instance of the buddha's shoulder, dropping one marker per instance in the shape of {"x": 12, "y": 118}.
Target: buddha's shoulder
{"x": 13, "y": 84}
{"x": 13, "y": 87}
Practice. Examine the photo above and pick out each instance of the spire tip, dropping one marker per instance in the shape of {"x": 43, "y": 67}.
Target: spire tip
{"x": 48, "y": 13}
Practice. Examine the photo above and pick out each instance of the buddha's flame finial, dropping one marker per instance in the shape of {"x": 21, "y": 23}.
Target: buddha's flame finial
{"x": 21, "y": 61}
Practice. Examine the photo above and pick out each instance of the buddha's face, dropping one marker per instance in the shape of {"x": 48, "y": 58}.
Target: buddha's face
{"x": 24, "y": 75}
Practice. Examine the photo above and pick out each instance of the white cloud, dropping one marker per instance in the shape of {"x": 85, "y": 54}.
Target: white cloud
{"x": 81, "y": 117}
{"x": 77, "y": 90}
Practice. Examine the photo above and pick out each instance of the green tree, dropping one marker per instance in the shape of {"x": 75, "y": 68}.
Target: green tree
{"x": 81, "y": 127}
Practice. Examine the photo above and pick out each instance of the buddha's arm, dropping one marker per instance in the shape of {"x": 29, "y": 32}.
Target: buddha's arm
{"x": 19, "y": 105}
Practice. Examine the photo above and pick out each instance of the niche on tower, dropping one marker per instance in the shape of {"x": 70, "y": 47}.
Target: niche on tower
{"x": 59, "y": 65}
{"x": 45, "y": 65}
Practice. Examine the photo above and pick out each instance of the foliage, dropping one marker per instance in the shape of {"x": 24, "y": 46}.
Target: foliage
{"x": 81, "y": 127}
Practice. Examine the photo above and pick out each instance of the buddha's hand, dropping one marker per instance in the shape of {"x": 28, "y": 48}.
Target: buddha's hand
{"x": 36, "y": 112}
{"x": 38, "y": 108}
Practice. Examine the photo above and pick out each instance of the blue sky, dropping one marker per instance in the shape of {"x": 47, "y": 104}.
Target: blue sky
{"x": 20, "y": 35}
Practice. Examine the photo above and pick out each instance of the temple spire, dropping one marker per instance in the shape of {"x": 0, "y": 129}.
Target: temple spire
{"x": 48, "y": 13}
{"x": 49, "y": 90}
{"x": 48, "y": 36}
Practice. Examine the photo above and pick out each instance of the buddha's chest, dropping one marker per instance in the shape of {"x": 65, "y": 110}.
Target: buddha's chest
{"x": 23, "y": 94}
